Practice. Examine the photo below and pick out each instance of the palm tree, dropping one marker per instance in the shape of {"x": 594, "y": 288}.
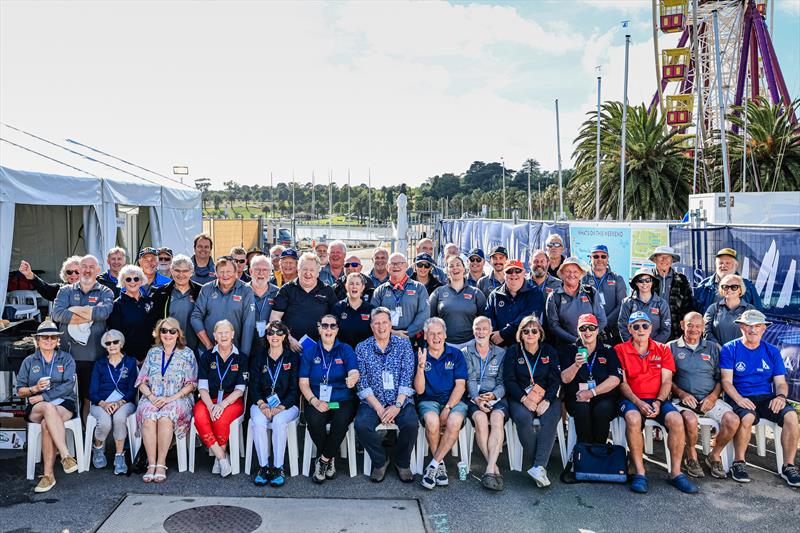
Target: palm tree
{"x": 657, "y": 174}
{"x": 773, "y": 148}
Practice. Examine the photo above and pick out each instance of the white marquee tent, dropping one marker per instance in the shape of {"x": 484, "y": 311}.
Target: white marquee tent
{"x": 70, "y": 200}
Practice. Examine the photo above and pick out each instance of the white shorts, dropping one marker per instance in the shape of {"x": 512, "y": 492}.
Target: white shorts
{"x": 716, "y": 413}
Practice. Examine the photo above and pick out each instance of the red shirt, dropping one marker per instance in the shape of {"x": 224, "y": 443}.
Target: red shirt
{"x": 643, "y": 372}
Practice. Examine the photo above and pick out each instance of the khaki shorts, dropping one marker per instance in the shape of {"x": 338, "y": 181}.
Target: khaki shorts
{"x": 716, "y": 413}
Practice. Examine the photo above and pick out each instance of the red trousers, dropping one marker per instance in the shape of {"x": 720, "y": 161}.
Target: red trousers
{"x": 216, "y": 431}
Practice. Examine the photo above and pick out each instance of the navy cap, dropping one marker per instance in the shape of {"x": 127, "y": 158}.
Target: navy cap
{"x": 476, "y": 252}
{"x": 424, "y": 257}
{"x": 289, "y": 252}
{"x": 147, "y": 251}
{"x": 636, "y": 316}
{"x": 600, "y": 248}
{"x": 499, "y": 250}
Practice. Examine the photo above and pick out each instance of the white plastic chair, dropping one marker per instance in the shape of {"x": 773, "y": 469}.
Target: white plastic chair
{"x": 347, "y": 449}
{"x": 415, "y": 468}
{"x": 649, "y": 424}
{"x": 235, "y": 442}
{"x": 761, "y": 441}
{"x": 572, "y": 436}
{"x": 291, "y": 445}
{"x": 24, "y": 304}
{"x": 180, "y": 443}
{"x": 91, "y": 424}
{"x": 515, "y": 455}
{"x": 706, "y": 425}
{"x": 422, "y": 446}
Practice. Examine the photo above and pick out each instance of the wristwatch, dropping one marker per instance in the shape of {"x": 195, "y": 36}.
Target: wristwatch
{"x": 398, "y": 404}
{"x": 447, "y": 406}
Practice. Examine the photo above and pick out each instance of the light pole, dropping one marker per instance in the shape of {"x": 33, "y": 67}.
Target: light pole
{"x": 621, "y": 215}
{"x": 504, "y": 187}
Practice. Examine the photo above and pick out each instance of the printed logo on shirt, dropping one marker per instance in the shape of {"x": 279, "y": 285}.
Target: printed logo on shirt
{"x": 520, "y": 361}
{"x": 213, "y": 365}
{"x": 364, "y": 317}
{"x": 445, "y": 294}
{"x": 338, "y": 361}
{"x": 740, "y": 366}
{"x": 601, "y": 360}
{"x": 148, "y": 306}
{"x": 427, "y": 366}
{"x": 449, "y": 365}
{"x": 237, "y": 298}
{"x": 467, "y": 296}
{"x": 320, "y": 296}
{"x": 35, "y": 368}
{"x": 235, "y": 368}
{"x": 317, "y": 360}
{"x": 501, "y": 303}
{"x": 654, "y": 310}
{"x": 612, "y": 282}
{"x": 123, "y": 373}
{"x": 681, "y": 356}
{"x": 764, "y": 365}
{"x": 265, "y": 370}
{"x": 60, "y": 369}
{"x": 545, "y": 360}
{"x": 584, "y": 299}
{"x": 270, "y": 301}
{"x": 411, "y": 292}
{"x": 344, "y": 316}
{"x": 76, "y": 296}
{"x": 92, "y": 299}
{"x": 705, "y": 357}
{"x": 287, "y": 366}
{"x": 214, "y": 295}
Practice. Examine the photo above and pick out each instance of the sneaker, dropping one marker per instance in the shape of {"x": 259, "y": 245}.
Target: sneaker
{"x": 99, "y": 457}
{"x": 682, "y": 483}
{"x": 639, "y": 484}
{"x": 120, "y": 467}
{"x": 791, "y": 475}
{"x": 45, "y": 484}
{"x": 215, "y": 468}
{"x": 716, "y": 468}
{"x": 441, "y": 475}
{"x": 320, "y": 468}
{"x": 330, "y": 471}
{"x": 429, "y": 477}
{"x": 278, "y": 478}
{"x": 225, "y": 468}
{"x": 70, "y": 464}
{"x": 739, "y": 472}
{"x": 694, "y": 469}
{"x": 539, "y": 475}
{"x": 263, "y": 476}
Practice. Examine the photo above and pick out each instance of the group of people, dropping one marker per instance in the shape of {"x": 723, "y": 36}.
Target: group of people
{"x": 178, "y": 340}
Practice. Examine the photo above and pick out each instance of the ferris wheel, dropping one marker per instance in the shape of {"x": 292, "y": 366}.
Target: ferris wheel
{"x": 744, "y": 62}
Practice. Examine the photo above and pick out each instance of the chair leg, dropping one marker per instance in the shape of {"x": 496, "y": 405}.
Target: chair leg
{"x": 180, "y": 444}
{"x": 291, "y": 442}
{"x": 562, "y": 442}
{"x": 307, "y": 451}
{"x": 761, "y": 439}
{"x": 352, "y": 460}
{"x": 234, "y": 448}
{"x": 509, "y": 444}
{"x": 705, "y": 438}
{"x": 248, "y": 448}
{"x": 648, "y": 439}
{"x": 192, "y": 440}
{"x": 571, "y": 436}
{"x": 77, "y": 450}
{"x": 776, "y": 433}
{"x": 34, "y": 448}
{"x": 91, "y": 424}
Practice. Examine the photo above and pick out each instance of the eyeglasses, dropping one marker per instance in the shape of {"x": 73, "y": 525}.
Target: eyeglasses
{"x": 554, "y": 245}
{"x": 171, "y": 331}
{"x": 587, "y": 327}
{"x": 475, "y": 260}
{"x": 514, "y": 271}
{"x": 734, "y": 287}
{"x": 134, "y": 279}
{"x": 328, "y": 325}
{"x": 643, "y": 326}
{"x": 114, "y": 342}
{"x": 352, "y": 265}
{"x": 530, "y": 331}
{"x": 644, "y": 280}
{"x": 423, "y": 265}
{"x": 48, "y": 337}
{"x": 598, "y": 256}
{"x": 271, "y": 332}
{"x": 181, "y": 271}
{"x": 72, "y": 272}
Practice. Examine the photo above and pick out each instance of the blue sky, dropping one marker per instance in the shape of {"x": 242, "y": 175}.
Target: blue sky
{"x": 404, "y": 90}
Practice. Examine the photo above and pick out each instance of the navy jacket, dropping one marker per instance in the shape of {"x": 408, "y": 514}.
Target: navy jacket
{"x": 506, "y": 311}
{"x": 102, "y": 383}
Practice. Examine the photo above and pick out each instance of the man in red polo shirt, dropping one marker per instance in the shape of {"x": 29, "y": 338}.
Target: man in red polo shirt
{"x": 647, "y": 368}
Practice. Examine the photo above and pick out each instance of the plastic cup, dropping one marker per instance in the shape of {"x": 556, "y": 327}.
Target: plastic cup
{"x": 47, "y": 378}
{"x": 462, "y": 471}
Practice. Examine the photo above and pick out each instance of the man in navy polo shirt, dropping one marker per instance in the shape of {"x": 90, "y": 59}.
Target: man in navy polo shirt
{"x": 440, "y": 383}
{"x": 754, "y": 380}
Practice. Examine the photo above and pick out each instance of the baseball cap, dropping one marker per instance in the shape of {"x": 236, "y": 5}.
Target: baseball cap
{"x": 476, "y": 252}
{"x": 147, "y": 251}
{"x": 727, "y": 251}
{"x": 587, "y": 318}
{"x": 426, "y": 258}
{"x": 636, "y": 316}
{"x": 289, "y": 252}
{"x": 599, "y": 248}
{"x": 513, "y": 263}
{"x": 500, "y": 249}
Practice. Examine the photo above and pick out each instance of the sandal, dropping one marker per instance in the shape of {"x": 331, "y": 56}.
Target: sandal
{"x": 160, "y": 478}
{"x": 148, "y": 476}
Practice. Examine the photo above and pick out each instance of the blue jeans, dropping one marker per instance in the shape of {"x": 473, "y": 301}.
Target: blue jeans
{"x": 367, "y": 420}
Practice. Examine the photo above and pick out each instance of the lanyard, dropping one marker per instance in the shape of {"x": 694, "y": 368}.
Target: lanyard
{"x": 325, "y": 364}
{"x": 274, "y": 378}
{"x": 222, "y": 376}
{"x": 164, "y": 367}
{"x": 398, "y": 300}
{"x": 589, "y": 365}
{"x": 599, "y": 284}
{"x": 263, "y": 303}
{"x": 528, "y": 364}
{"x": 484, "y": 366}
{"x": 52, "y": 363}
{"x": 111, "y": 375}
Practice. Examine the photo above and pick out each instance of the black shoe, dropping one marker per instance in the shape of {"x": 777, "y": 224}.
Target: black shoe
{"x": 404, "y": 474}
{"x": 739, "y": 472}
{"x": 791, "y": 475}
{"x": 378, "y": 474}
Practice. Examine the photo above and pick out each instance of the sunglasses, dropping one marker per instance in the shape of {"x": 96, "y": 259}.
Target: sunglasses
{"x": 327, "y": 325}
{"x": 530, "y": 331}
{"x": 475, "y": 260}
{"x": 423, "y": 265}
{"x": 598, "y": 256}
{"x": 165, "y": 259}
{"x": 644, "y": 280}
{"x": 171, "y": 331}
{"x": 240, "y": 261}
{"x": 554, "y": 245}
{"x": 48, "y": 337}
{"x": 114, "y": 342}
{"x": 643, "y": 326}
{"x": 134, "y": 279}
{"x": 514, "y": 271}
{"x": 271, "y": 332}
{"x": 734, "y": 287}
{"x": 72, "y": 272}
{"x": 352, "y": 265}
{"x": 588, "y": 327}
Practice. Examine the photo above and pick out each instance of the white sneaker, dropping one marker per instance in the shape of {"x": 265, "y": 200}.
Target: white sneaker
{"x": 215, "y": 468}
{"x": 225, "y": 467}
{"x": 539, "y": 475}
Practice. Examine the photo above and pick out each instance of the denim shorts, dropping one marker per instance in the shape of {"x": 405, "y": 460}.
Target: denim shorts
{"x": 432, "y": 406}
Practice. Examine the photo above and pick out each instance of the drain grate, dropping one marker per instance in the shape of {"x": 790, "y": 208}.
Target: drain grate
{"x": 213, "y": 519}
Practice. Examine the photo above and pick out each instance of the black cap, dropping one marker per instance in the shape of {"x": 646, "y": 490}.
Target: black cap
{"x": 499, "y": 249}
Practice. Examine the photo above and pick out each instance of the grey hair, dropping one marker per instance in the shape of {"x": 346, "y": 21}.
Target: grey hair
{"x": 130, "y": 269}
{"x": 308, "y": 256}
{"x": 261, "y": 259}
{"x": 337, "y": 243}
{"x": 222, "y": 323}
{"x": 434, "y": 320}
{"x": 68, "y": 261}
{"x": 113, "y": 335}
{"x": 378, "y": 310}
{"x": 479, "y": 319}
{"x": 182, "y": 260}
{"x": 117, "y": 250}
{"x": 398, "y": 254}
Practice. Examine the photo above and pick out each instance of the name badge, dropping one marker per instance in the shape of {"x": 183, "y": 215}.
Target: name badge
{"x": 261, "y": 327}
{"x": 396, "y": 315}
{"x": 273, "y": 401}
{"x": 325, "y": 392}
{"x": 591, "y": 384}
{"x": 602, "y": 298}
{"x": 219, "y": 396}
{"x": 388, "y": 380}
{"x": 528, "y": 389}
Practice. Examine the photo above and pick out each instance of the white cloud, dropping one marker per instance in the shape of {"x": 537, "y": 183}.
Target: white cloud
{"x": 623, "y": 6}
{"x": 792, "y": 7}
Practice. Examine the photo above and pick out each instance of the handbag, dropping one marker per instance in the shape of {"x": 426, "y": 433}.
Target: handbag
{"x": 139, "y": 463}
{"x": 596, "y": 462}
{"x": 536, "y": 394}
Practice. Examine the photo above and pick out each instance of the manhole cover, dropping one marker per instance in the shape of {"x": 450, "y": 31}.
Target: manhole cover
{"x": 213, "y": 519}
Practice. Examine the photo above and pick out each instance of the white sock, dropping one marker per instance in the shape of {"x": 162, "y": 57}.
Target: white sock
{"x": 434, "y": 463}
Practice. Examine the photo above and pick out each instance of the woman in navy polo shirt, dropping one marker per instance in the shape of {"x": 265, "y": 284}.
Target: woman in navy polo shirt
{"x": 274, "y": 393}
{"x": 112, "y": 395}
{"x": 353, "y": 312}
{"x": 591, "y": 375}
{"x": 328, "y": 374}
{"x": 220, "y": 381}
{"x": 134, "y": 313}
{"x": 531, "y": 379}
